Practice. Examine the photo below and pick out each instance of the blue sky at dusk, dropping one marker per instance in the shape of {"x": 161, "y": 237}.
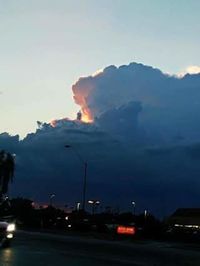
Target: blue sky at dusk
{"x": 46, "y": 46}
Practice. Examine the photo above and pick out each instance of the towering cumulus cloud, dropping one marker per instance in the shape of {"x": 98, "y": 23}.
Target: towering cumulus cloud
{"x": 114, "y": 87}
{"x": 168, "y": 103}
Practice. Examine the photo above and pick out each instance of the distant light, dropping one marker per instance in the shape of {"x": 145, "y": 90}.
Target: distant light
{"x": 69, "y": 225}
{"x": 67, "y": 218}
{"x": 93, "y": 201}
{"x": 178, "y": 225}
{"x": 187, "y": 225}
{"x": 126, "y": 230}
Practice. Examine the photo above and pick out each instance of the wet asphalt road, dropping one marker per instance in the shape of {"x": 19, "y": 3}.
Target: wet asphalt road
{"x": 37, "y": 249}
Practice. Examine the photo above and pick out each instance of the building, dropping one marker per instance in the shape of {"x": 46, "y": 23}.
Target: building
{"x": 185, "y": 218}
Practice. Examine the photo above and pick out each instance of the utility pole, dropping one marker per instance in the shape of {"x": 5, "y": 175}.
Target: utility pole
{"x": 85, "y": 164}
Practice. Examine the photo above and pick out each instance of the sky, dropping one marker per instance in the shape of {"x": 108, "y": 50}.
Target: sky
{"x": 46, "y": 46}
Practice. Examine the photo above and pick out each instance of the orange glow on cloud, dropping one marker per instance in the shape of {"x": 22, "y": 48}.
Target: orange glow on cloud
{"x": 81, "y": 94}
{"x": 86, "y": 116}
{"x": 86, "y": 119}
{"x": 80, "y": 97}
{"x": 53, "y": 123}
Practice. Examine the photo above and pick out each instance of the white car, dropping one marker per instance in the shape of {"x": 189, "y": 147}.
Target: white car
{"x": 7, "y": 230}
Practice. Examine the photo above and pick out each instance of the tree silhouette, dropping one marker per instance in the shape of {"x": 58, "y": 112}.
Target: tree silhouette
{"x": 7, "y": 167}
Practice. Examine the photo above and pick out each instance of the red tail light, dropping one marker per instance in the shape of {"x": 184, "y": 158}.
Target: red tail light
{"x": 126, "y": 230}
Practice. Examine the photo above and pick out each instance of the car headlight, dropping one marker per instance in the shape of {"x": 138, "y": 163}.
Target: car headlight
{"x": 11, "y": 228}
{"x": 9, "y": 236}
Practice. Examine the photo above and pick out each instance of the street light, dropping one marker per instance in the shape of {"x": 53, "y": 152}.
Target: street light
{"x": 51, "y": 199}
{"x": 133, "y": 203}
{"x": 85, "y": 174}
{"x": 78, "y": 206}
{"x": 145, "y": 214}
{"x": 94, "y": 203}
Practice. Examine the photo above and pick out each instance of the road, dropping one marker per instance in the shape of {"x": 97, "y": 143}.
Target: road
{"x": 39, "y": 249}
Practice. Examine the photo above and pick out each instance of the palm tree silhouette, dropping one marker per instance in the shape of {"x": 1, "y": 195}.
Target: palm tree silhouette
{"x": 7, "y": 167}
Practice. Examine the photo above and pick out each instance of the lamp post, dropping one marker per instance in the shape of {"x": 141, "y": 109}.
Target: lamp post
{"x": 78, "y": 206}
{"x": 51, "y": 199}
{"x": 94, "y": 203}
{"x": 133, "y": 203}
{"x": 85, "y": 174}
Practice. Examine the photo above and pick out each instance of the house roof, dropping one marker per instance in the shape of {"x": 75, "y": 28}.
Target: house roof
{"x": 187, "y": 212}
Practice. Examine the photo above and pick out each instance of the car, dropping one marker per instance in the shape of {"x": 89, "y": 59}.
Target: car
{"x": 7, "y": 230}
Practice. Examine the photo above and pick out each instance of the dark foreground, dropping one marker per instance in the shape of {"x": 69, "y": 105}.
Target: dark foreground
{"x": 32, "y": 249}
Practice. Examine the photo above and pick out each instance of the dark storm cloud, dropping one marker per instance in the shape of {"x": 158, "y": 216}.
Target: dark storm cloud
{"x": 8, "y": 142}
{"x": 117, "y": 173}
{"x": 193, "y": 151}
{"x": 123, "y": 122}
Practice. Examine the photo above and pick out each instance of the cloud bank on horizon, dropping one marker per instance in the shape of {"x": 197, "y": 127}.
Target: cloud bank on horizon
{"x": 142, "y": 144}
